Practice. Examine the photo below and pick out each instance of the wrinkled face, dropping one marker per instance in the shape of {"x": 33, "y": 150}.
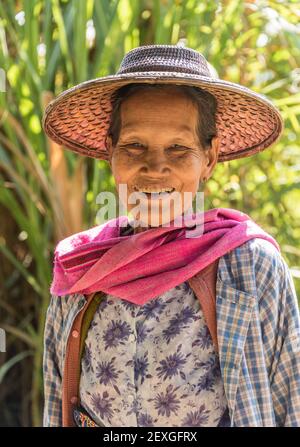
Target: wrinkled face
{"x": 158, "y": 149}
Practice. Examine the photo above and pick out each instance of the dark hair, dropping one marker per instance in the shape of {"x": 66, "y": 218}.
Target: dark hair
{"x": 205, "y": 102}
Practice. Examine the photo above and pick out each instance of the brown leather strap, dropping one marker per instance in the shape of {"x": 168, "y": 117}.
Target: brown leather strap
{"x": 71, "y": 374}
{"x": 204, "y": 286}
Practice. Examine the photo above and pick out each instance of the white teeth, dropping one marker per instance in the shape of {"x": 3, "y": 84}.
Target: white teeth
{"x": 154, "y": 190}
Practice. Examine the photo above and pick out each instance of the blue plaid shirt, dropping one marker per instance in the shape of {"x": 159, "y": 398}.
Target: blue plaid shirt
{"x": 258, "y": 328}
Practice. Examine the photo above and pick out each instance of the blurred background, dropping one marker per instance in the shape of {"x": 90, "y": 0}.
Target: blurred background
{"x": 47, "y": 193}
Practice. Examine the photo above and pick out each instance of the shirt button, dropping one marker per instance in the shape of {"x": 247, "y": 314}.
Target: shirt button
{"x": 130, "y": 397}
{"x": 75, "y": 334}
{"x": 74, "y": 400}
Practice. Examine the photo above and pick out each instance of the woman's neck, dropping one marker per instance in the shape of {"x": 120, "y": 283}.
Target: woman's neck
{"x": 139, "y": 227}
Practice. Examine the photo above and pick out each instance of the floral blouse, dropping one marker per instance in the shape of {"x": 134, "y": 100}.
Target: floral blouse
{"x": 152, "y": 365}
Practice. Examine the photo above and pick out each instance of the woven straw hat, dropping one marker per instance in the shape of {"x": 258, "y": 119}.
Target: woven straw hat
{"x": 79, "y": 118}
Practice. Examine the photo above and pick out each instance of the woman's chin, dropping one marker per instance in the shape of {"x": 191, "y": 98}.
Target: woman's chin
{"x": 154, "y": 220}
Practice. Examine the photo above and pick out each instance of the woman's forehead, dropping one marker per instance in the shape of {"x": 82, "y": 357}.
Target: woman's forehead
{"x": 183, "y": 128}
{"x": 159, "y": 130}
{"x": 177, "y": 115}
{"x": 153, "y": 97}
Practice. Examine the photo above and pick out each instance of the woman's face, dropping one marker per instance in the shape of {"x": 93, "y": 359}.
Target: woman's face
{"x": 158, "y": 148}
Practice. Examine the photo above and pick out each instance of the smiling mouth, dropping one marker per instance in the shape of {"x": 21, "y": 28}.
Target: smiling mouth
{"x": 157, "y": 195}
{"x": 154, "y": 191}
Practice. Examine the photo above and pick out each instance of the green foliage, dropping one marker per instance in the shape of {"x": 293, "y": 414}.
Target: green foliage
{"x": 57, "y": 44}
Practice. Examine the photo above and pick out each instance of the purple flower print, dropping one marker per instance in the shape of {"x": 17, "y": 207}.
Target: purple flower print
{"x": 184, "y": 316}
{"x": 183, "y": 286}
{"x": 206, "y": 382}
{"x": 116, "y": 333}
{"x": 107, "y": 373}
{"x": 212, "y": 364}
{"x": 209, "y": 364}
{"x": 140, "y": 368}
{"x": 87, "y": 358}
{"x": 204, "y": 339}
{"x": 152, "y": 309}
{"x": 145, "y": 420}
{"x": 129, "y": 306}
{"x": 142, "y": 331}
{"x": 135, "y": 407}
{"x": 94, "y": 324}
{"x": 212, "y": 372}
{"x": 172, "y": 331}
{"x": 171, "y": 366}
{"x": 196, "y": 418}
{"x": 99, "y": 311}
{"x": 166, "y": 403}
{"x": 102, "y": 405}
{"x": 101, "y": 306}
{"x": 216, "y": 365}
{"x": 178, "y": 322}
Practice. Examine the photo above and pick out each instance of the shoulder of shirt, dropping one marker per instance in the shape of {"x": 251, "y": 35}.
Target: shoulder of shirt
{"x": 253, "y": 266}
{"x": 61, "y": 305}
{"x": 265, "y": 250}
{"x": 257, "y": 249}
{"x": 256, "y": 256}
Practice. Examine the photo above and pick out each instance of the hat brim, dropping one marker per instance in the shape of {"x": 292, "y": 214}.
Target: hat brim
{"x": 247, "y": 122}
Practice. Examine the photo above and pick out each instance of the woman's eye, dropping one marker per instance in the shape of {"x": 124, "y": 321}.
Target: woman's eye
{"x": 179, "y": 146}
{"x": 133, "y": 149}
{"x": 138, "y": 148}
{"x": 135, "y": 145}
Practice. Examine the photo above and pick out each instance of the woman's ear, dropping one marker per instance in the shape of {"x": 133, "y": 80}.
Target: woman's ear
{"x": 212, "y": 156}
{"x": 109, "y": 148}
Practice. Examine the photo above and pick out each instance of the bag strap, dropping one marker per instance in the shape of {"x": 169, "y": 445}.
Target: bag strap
{"x": 73, "y": 354}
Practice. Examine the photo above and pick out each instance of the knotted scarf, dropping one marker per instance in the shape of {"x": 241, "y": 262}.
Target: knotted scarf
{"x": 144, "y": 265}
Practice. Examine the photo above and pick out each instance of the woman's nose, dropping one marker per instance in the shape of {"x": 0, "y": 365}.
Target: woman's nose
{"x": 155, "y": 162}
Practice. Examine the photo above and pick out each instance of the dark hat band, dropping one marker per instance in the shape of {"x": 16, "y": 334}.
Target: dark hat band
{"x": 164, "y": 58}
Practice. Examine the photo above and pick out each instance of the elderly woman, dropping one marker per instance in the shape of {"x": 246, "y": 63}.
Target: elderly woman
{"x": 157, "y": 321}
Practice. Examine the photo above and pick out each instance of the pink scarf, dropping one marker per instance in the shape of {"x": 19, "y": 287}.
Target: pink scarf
{"x": 142, "y": 266}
